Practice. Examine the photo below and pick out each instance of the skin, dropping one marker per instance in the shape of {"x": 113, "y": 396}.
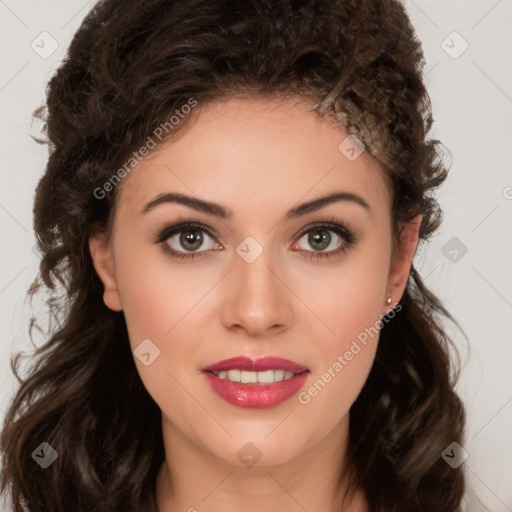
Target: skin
{"x": 259, "y": 158}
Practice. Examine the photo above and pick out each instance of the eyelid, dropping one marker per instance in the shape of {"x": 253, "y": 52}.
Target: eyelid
{"x": 181, "y": 225}
{"x": 334, "y": 223}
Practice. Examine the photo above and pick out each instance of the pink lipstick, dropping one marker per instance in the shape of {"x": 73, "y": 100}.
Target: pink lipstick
{"x": 257, "y": 383}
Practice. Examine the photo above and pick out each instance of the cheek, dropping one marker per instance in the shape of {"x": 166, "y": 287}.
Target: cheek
{"x": 351, "y": 307}
{"x": 165, "y": 303}
{"x": 156, "y": 296}
{"x": 349, "y": 298}
{"x": 148, "y": 305}
{"x": 160, "y": 297}
{"x": 162, "y": 301}
{"x": 158, "y": 305}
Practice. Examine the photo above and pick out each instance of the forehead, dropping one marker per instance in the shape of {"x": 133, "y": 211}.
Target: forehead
{"x": 252, "y": 153}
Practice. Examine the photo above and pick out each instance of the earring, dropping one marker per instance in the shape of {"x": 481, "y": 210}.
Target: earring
{"x": 388, "y": 301}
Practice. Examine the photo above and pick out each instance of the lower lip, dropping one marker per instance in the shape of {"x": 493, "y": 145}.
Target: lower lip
{"x": 256, "y": 396}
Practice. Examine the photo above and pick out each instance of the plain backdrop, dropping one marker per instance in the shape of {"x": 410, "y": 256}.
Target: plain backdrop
{"x": 468, "y": 50}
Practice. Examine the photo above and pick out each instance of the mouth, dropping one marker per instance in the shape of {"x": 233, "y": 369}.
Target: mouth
{"x": 256, "y": 383}
{"x": 248, "y": 377}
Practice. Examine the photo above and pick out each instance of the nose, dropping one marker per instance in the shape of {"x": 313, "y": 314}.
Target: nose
{"x": 257, "y": 299}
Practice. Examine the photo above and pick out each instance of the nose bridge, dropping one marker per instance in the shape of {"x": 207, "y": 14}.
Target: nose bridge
{"x": 255, "y": 276}
{"x": 257, "y": 299}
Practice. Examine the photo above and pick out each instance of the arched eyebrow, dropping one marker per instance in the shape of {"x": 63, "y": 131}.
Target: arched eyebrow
{"x": 224, "y": 213}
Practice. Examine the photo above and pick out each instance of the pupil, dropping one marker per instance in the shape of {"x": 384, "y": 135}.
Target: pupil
{"x": 191, "y": 237}
{"x": 323, "y": 240}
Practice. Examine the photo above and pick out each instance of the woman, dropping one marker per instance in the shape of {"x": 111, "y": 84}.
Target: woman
{"x": 233, "y": 199}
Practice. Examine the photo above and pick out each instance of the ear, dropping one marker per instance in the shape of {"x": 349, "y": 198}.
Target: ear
{"x": 103, "y": 260}
{"x": 402, "y": 260}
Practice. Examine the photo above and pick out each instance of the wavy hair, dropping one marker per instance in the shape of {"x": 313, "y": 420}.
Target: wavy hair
{"x": 129, "y": 67}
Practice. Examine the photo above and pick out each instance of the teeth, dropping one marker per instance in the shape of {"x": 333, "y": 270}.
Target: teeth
{"x": 234, "y": 375}
{"x": 278, "y": 375}
{"x": 265, "y": 377}
{"x": 248, "y": 377}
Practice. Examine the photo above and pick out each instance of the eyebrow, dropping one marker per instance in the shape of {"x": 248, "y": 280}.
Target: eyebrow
{"x": 219, "y": 211}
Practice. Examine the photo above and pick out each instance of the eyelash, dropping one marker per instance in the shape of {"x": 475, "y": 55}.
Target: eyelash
{"x": 331, "y": 224}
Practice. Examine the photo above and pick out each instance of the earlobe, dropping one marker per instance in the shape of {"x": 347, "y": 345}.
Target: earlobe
{"x": 103, "y": 261}
{"x": 402, "y": 259}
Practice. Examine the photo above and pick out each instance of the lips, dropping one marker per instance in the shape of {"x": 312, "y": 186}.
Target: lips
{"x": 256, "y": 383}
{"x": 256, "y": 365}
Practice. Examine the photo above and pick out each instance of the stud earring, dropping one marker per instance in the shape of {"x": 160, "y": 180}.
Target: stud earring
{"x": 388, "y": 301}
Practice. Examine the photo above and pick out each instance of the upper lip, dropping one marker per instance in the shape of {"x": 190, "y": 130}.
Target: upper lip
{"x": 253, "y": 364}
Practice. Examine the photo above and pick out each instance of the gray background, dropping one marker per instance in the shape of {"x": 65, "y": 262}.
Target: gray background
{"x": 471, "y": 94}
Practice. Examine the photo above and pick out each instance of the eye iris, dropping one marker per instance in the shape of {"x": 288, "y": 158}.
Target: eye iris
{"x": 193, "y": 237}
{"x": 323, "y": 240}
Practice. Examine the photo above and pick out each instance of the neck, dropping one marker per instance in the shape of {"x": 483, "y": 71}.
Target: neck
{"x": 193, "y": 480}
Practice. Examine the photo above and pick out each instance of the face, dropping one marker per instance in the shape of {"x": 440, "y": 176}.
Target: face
{"x": 269, "y": 278}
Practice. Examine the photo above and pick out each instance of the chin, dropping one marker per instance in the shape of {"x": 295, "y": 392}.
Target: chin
{"x": 260, "y": 450}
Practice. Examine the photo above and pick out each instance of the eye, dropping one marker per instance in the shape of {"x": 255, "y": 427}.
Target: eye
{"x": 187, "y": 240}
{"x": 323, "y": 236}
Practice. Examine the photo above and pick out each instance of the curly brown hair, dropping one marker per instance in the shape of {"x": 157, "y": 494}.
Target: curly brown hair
{"x": 129, "y": 66}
